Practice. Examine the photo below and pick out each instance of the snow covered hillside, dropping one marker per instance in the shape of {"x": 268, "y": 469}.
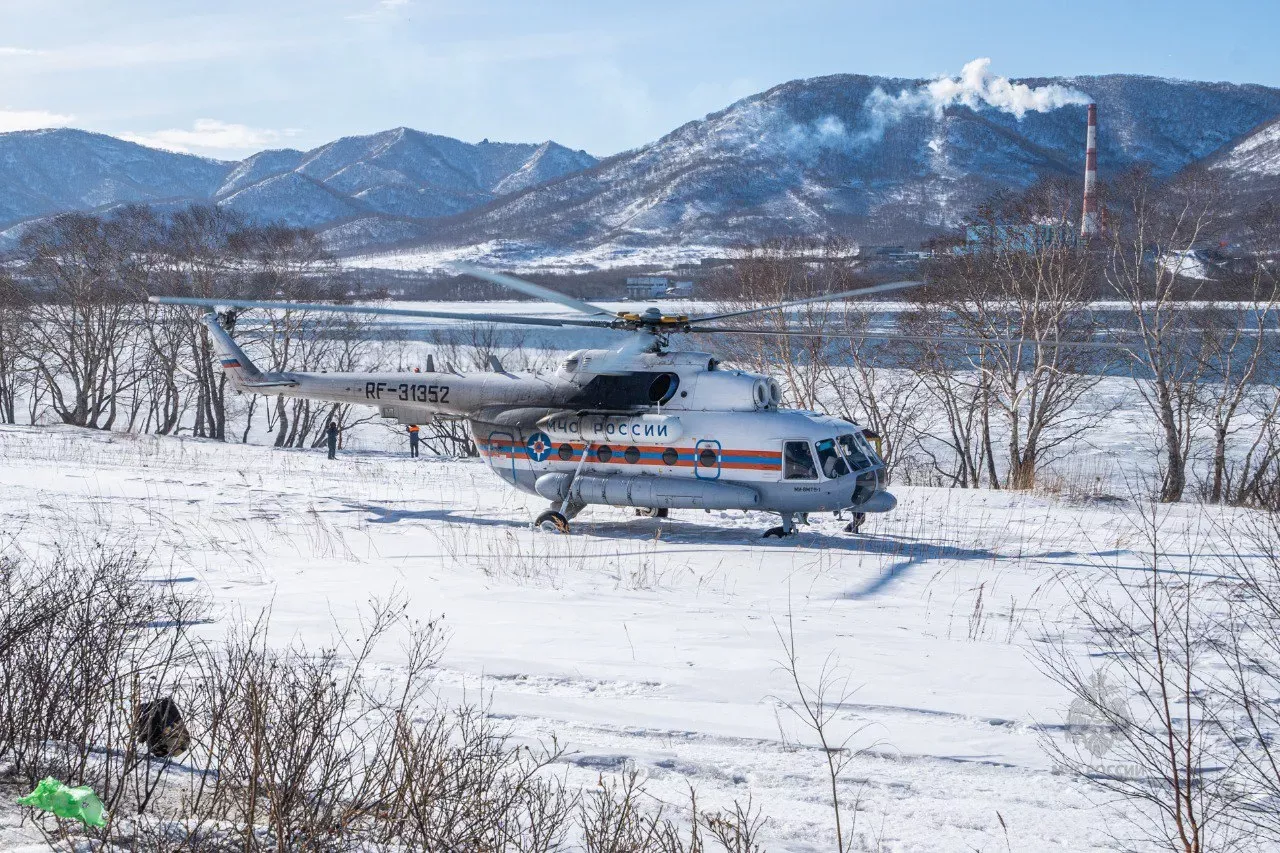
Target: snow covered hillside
{"x": 874, "y": 159}
{"x": 383, "y": 179}
{"x": 870, "y": 158}
{"x": 648, "y": 640}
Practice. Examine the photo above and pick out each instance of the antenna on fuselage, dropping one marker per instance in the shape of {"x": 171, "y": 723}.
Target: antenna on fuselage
{"x": 431, "y": 363}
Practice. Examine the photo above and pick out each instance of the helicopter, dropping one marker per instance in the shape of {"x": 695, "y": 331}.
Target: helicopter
{"x": 641, "y": 426}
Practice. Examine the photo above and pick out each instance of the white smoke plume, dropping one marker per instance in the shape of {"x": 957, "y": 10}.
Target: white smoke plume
{"x": 976, "y": 88}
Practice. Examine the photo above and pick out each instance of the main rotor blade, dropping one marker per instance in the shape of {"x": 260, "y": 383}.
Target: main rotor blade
{"x": 231, "y": 302}
{"x": 895, "y": 336}
{"x": 826, "y": 297}
{"x": 536, "y": 290}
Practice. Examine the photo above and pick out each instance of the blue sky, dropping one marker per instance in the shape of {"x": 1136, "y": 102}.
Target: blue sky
{"x": 230, "y": 77}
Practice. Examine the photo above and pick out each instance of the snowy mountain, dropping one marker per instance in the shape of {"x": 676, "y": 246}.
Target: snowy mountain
{"x": 366, "y": 189}
{"x": 868, "y": 157}
{"x": 1250, "y": 173}
{"x": 51, "y": 171}
{"x": 872, "y": 158}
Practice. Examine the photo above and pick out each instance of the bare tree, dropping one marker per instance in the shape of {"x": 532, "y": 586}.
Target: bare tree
{"x": 1240, "y": 357}
{"x": 292, "y": 264}
{"x": 961, "y": 394}
{"x": 13, "y": 332}
{"x": 1021, "y": 289}
{"x": 776, "y": 271}
{"x": 89, "y": 273}
{"x": 1153, "y": 229}
{"x": 1145, "y": 727}
{"x": 1251, "y": 652}
{"x": 199, "y": 261}
{"x": 860, "y": 387}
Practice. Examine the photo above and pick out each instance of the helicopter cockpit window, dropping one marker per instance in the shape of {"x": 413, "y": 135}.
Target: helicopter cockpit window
{"x": 829, "y": 459}
{"x": 870, "y": 450}
{"x": 852, "y": 450}
{"x": 663, "y": 387}
{"x": 797, "y": 461}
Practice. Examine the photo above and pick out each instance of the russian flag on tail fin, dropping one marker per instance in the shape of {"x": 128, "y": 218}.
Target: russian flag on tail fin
{"x": 242, "y": 372}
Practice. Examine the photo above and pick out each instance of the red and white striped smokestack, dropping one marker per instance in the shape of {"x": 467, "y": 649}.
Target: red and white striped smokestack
{"x": 1089, "y": 224}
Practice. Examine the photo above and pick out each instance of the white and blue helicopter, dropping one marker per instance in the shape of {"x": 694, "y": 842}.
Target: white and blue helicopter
{"x": 640, "y": 426}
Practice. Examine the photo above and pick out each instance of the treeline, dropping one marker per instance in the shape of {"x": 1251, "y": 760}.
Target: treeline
{"x": 993, "y": 368}
{"x": 79, "y": 341}
{"x": 985, "y": 384}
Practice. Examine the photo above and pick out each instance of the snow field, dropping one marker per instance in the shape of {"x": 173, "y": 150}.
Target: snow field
{"x": 645, "y": 640}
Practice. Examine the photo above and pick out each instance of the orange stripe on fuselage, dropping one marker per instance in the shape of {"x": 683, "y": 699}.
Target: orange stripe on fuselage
{"x": 767, "y": 460}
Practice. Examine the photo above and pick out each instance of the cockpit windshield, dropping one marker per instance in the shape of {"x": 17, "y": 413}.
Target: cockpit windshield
{"x": 829, "y": 459}
{"x": 857, "y": 451}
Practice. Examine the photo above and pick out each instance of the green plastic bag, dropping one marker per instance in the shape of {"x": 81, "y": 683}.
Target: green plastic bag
{"x": 81, "y": 803}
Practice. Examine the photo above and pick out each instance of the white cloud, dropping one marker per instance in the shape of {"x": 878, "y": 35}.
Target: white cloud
{"x": 209, "y": 135}
{"x": 19, "y": 51}
{"x": 11, "y": 120}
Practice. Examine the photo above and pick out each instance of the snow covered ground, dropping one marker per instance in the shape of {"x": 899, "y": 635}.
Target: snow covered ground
{"x": 646, "y": 640}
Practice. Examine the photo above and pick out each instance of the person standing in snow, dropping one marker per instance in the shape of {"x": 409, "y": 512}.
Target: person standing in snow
{"x": 413, "y": 441}
{"x": 331, "y": 436}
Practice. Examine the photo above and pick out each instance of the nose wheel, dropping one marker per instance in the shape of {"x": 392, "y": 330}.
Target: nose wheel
{"x": 652, "y": 512}
{"x": 551, "y": 522}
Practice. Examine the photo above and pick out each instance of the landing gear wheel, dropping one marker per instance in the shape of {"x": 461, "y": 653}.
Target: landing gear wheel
{"x": 855, "y": 525}
{"x": 652, "y": 512}
{"x": 787, "y": 528}
{"x": 551, "y": 522}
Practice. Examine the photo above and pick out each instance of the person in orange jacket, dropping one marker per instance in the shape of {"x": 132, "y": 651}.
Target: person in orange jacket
{"x": 413, "y": 440}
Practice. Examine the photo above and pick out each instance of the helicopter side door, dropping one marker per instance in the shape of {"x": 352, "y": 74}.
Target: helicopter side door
{"x": 502, "y": 454}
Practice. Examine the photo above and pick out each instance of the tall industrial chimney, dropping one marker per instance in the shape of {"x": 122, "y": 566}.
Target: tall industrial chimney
{"x": 1089, "y": 224}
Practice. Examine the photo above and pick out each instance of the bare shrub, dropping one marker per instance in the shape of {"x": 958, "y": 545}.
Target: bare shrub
{"x": 1250, "y": 651}
{"x": 817, "y": 708}
{"x": 620, "y": 816}
{"x": 84, "y": 637}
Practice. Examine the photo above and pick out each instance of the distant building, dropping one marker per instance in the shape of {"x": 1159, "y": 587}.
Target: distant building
{"x": 1022, "y": 237}
{"x": 658, "y": 287}
{"x": 647, "y": 286}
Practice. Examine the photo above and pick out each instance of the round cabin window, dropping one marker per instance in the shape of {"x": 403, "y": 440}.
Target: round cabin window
{"x": 604, "y": 453}
{"x": 707, "y": 458}
{"x": 670, "y": 456}
{"x": 565, "y": 452}
{"x": 632, "y": 454}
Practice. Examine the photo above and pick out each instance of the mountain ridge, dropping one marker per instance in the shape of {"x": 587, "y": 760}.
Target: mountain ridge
{"x": 869, "y": 158}
{"x": 392, "y": 174}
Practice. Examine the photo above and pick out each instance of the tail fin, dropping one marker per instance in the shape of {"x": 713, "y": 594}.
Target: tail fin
{"x": 242, "y": 372}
